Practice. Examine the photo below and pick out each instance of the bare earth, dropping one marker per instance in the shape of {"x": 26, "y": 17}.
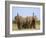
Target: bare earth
{"x": 15, "y": 28}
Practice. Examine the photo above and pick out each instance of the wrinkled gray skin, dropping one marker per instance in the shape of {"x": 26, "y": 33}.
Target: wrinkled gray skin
{"x": 23, "y": 22}
{"x": 20, "y": 21}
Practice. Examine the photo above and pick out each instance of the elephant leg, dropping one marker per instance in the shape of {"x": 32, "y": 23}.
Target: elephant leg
{"x": 30, "y": 25}
{"x": 19, "y": 27}
{"x": 33, "y": 26}
{"x": 24, "y": 26}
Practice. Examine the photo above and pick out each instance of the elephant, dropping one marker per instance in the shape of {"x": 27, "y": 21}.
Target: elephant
{"x": 31, "y": 22}
{"x": 25, "y": 22}
{"x": 20, "y": 22}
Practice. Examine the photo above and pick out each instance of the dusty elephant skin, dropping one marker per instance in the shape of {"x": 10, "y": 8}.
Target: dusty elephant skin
{"x": 25, "y": 22}
{"x": 32, "y": 23}
{"x": 20, "y": 21}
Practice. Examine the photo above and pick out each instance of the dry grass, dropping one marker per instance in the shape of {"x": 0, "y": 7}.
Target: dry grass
{"x": 15, "y": 28}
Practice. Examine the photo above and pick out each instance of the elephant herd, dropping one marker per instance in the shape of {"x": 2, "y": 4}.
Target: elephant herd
{"x": 26, "y": 22}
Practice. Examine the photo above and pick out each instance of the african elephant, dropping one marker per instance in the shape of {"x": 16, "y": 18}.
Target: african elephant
{"x": 25, "y": 22}
{"x": 30, "y": 21}
{"x": 20, "y": 22}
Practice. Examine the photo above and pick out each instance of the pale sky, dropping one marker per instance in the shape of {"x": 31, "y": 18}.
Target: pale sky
{"x": 25, "y": 11}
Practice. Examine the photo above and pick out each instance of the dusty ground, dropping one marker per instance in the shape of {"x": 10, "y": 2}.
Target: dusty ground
{"x": 15, "y": 28}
